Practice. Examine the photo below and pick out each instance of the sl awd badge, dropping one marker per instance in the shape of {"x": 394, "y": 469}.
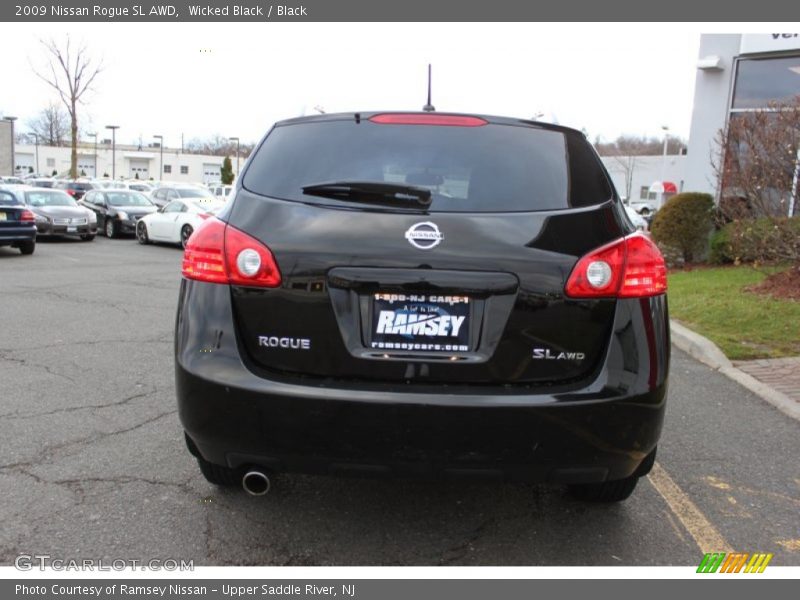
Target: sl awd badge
{"x": 425, "y": 235}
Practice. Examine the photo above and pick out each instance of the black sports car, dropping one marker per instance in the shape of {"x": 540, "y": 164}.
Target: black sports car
{"x": 423, "y": 294}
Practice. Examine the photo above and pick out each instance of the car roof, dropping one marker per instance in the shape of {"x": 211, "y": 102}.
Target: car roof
{"x": 352, "y": 116}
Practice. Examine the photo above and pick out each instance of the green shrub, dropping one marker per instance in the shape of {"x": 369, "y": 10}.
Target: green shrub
{"x": 757, "y": 240}
{"x": 721, "y": 249}
{"x": 683, "y": 224}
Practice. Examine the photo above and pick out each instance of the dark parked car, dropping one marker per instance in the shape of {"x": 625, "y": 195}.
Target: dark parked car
{"x": 56, "y": 213}
{"x": 165, "y": 194}
{"x": 423, "y": 294}
{"x": 17, "y": 226}
{"x": 117, "y": 211}
{"x": 76, "y": 189}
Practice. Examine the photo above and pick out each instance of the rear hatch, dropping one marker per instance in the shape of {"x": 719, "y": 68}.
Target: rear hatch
{"x": 422, "y": 248}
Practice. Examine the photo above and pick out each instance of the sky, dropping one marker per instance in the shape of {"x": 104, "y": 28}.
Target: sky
{"x": 237, "y": 79}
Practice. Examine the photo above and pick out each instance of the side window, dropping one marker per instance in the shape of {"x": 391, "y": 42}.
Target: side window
{"x": 159, "y": 194}
{"x": 174, "y": 207}
{"x": 172, "y": 195}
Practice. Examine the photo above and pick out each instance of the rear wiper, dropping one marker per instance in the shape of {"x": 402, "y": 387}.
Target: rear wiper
{"x": 373, "y": 192}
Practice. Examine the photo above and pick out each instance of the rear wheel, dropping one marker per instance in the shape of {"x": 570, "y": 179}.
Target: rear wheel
{"x": 608, "y": 491}
{"x": 111, "y": 228}
{"x": 141, "y": 233}
{"x": 186, "y": 232}
{"x": 645, "y": 212}
{"x": 219, "y": 475}
{"x": 614, "y": 491}
{"x": 27, "y": 247}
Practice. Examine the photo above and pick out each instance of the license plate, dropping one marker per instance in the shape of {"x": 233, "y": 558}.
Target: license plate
{"x": 420, "y": 322}
{"x": 3, "y": 216}
{"x": 72, "y": 229}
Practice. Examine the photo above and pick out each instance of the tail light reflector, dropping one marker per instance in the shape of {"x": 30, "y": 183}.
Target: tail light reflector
{"x": 27, "y": 215}
{"x": 219, "y": 253}
{"x": 628, "y": 268}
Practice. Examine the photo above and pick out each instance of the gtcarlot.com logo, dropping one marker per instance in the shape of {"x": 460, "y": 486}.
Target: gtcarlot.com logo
{"x": 734, "y": 562}
{"x": 29, "y": 562}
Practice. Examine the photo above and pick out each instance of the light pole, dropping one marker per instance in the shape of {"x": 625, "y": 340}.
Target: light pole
{"x": 94, "y": 135}
{"x": 36, "y": 141}
{"x": 13, "y": 158}
{"x": 113, "y": 129}
{"x": 664, "y": 154}
{"x": 236, "y": 139}
{"x": 160, "y": 139}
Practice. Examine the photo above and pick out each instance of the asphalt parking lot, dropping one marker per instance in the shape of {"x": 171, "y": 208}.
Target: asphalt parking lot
{"x": 93, "y": 464}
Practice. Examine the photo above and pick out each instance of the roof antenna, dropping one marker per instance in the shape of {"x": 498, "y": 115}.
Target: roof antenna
{"x": 429, "y": 107}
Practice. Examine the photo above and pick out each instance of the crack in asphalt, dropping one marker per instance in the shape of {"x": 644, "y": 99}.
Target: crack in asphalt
{"x": 459, "y": 551}
{"x": 26, "y": 363}
{"x": 71, "y": 409}
{"x": 50, "y": 451}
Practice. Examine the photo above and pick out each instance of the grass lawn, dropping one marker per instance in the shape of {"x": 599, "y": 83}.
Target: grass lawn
{"x": 744, "y": 325}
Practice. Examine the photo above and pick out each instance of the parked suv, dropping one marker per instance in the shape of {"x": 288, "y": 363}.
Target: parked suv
{"x": 423, "y": 294}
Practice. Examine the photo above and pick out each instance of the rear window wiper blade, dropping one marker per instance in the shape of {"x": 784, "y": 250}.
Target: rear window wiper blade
{"x": 373, "y": 192}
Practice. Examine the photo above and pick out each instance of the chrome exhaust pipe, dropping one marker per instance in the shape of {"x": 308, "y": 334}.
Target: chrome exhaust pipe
{"x": 256, "y": 482}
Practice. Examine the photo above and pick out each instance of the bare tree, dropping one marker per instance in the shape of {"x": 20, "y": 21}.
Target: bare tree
{"x": 71, "y": 73}
{"x": 51, "y": 125}
{"x": 633, "y": 145}
{"x": 756, "y": 161}
{"x": 216, "y": 145}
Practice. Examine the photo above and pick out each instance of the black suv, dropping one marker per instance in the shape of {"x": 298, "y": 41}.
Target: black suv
{"x": 423, "y": 294}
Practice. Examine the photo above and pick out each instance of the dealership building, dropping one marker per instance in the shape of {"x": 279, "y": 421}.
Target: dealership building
{"x": 122, "y": 161}
{"x": 736, "y": 73}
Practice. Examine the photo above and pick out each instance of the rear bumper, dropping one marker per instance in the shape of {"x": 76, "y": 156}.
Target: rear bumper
{"x": 14, "y": 235}
{"x": 599, "y": 430}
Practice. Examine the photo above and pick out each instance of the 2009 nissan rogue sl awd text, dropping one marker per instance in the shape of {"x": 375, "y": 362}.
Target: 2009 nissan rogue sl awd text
{"x": 423, "y": 294}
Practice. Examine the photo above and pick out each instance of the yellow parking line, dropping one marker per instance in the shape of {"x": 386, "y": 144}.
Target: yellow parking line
{"x": 699, "y": 527}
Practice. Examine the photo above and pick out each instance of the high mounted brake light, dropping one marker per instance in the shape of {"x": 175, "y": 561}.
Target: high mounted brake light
{"x": 628, "y": 268}
{"x": 219, "y": 253}
{"x": 427, "y": 119}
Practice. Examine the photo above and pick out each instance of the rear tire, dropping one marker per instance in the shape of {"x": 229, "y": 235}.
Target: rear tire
{"x": 141, "y": 233}
{"x": 186, "y": 232}
{"x": 27, "y": 247}
{"x": 219, "y": 475}
{"x": 608, "y": 491}
{"x": 614, "y": 491}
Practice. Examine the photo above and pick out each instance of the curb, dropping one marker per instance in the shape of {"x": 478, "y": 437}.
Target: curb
{"x": 708, "y": 353}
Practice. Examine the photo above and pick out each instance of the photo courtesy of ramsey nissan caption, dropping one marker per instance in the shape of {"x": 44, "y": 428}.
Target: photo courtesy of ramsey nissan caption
{"x": 424, "y": 295}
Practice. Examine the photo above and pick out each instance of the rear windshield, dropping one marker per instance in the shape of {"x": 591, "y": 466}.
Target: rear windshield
{"x": 491, "y": 168}
{"x": 8, "y": 199}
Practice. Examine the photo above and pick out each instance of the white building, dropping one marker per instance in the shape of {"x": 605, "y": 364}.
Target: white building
{"x": 643, "y": 171}
{"x": 736, "y": 73}
{"x": 131, "y": 161}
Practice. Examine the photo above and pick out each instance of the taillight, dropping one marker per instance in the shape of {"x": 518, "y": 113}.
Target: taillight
{"x": 71, "y": 192}
{"x": 219, "y": 253}
{"x": 427, "y": 119}
{"x": 27, "y": 215}
{"x": 628, "y": 268}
